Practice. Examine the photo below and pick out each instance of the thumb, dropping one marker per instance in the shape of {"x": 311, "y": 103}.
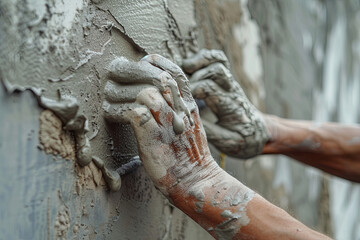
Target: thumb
{"x": 142, "y": 123}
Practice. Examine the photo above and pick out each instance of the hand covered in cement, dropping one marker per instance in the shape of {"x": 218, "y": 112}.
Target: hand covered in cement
{"x": 154, "y": 96}
{"x": 240, "y": 130}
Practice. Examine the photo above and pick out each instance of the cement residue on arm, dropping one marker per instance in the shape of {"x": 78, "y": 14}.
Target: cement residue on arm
{"x": 182, "y": 168}
{"x": 224, "y": 205}
{"x": 331, "y": 147}
{"x": 177, "y": 160}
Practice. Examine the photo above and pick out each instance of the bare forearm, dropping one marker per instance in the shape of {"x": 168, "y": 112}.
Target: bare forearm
{"x": 270, "y": 222}
{"x": 229, "y": 210}
{"x": 331, "y": 147}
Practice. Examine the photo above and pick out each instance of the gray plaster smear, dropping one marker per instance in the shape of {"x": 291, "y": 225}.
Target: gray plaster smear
{"x": 60, "y": 50}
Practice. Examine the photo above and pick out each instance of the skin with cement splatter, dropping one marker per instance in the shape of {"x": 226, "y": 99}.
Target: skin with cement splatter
{"x": 178, "y": 162}
{"x": 240, "y": 130}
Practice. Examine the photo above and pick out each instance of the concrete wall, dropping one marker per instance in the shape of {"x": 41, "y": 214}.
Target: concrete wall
{"x": 54, "y": 55}
{"x": 285, "y": 54}
{"x": 59, "y": 50}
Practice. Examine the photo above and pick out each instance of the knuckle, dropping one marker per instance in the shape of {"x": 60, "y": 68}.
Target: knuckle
{"x": 148, "y": 92}
{"x": 177, "y": 71}
{"x": 220, "y": 68}
{"x": 204, "y": 51}
{"x": 207, "y": 86}
{"x": 166, "y": 76}
{"x": 218, "y": 54}
{"x": 155, "y": 56}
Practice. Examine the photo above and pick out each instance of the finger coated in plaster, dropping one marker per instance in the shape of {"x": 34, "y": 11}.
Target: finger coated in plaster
{"x": 204, "y": 58}
{"x": 224, "y": 96}
{"x": 125, "y": 71}
{"x": 176, "y": 73}
{"x": 168, "y": 66}
{"x": 216, "y": 72}
{"x": 117, "y": 93}
{"x": 164, "y": 64}
{"x": 118, "y": 112}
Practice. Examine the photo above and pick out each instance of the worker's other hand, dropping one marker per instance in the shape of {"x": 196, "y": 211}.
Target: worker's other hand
{"x": 240, "y": 130}
{"x": 154, "y": 96}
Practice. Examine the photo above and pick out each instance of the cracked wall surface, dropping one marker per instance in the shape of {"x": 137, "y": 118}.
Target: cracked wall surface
{"x": 55, "y": 57}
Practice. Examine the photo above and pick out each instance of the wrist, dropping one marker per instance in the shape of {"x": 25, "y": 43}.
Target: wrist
{"x": 192, "y": 189}
{"x": 194, "y": 178}
{"x": 272, "y": 126}
{"x": 218, "y": 203}
{"x": 289, "y": 136}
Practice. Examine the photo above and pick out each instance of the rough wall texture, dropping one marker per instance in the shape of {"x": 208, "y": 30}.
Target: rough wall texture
{"x": 55, "y": 54}
{"x": 60, "y": 50}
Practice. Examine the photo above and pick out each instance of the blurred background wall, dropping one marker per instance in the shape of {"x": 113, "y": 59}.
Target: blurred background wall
{"x": 311, "y": 54}
{"x": 299, "y": 60}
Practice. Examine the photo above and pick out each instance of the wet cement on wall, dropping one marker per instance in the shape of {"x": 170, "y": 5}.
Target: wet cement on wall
{"x": 56, "y": 54}
{"x": 41, "y": 195}
{"x": 61, "y": 50}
